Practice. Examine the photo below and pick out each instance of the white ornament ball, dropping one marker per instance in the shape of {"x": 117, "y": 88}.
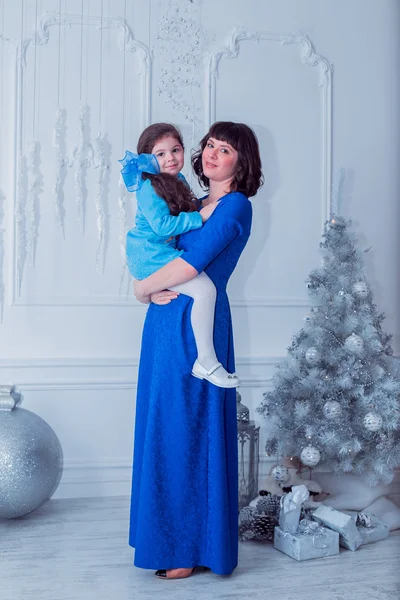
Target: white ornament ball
{"x": 312, "y": 355}
{"x": 280, "y": 474}
{"x": 332, "y": 409}
{"x": 354, "y": 343}
{"x": 310, "y": 456}
{"x": 360, "y": 289}
{"x": 378, "y": 372}
{"x": 373, "y": 421}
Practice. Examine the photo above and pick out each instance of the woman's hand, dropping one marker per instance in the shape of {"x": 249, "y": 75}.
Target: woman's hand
{"x": 164, "y": 297}
{"x": 207, "y": 211}
{"x": 139, "y": 295}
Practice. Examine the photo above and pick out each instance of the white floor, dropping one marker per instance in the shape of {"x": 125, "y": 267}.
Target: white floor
{"x": 77, "y": 550}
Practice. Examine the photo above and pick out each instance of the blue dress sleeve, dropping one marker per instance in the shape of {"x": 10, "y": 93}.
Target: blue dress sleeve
{"x": 156, "y": 212}
{"x": 229, "y": 220}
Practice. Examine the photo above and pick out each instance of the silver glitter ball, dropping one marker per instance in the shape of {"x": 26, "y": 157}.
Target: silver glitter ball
{"x": 31, "y": 461}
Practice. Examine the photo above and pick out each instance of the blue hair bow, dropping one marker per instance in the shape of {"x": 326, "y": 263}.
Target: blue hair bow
{"x": 133, "y": 165}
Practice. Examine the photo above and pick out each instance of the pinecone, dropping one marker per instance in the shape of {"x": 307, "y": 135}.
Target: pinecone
{"x": 245, "y": 531}
{"x": 246, "y": 514}
{"x": 263, "y": 527}
{"x": 269, "y": 505}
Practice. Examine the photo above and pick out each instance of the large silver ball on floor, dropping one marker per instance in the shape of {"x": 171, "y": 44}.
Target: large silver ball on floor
{"x": 30, "y": 459}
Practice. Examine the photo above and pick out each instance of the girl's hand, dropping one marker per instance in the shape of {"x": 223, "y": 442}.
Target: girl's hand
{"x": 164, "y": 297}
{"x": 140, "y": 297}
{"x": 207, "y": 211}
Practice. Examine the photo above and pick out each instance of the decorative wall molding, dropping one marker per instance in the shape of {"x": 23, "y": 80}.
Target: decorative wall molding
{"x": 127, "y": 42}
{"x": 111, "y": 362}
{"x": 129, "y": 301}
{"x": 73, "y": 374}
{"x": 112, "y": 477}
{"x": 19, "y": 223}
{"x": 310, "y": 58}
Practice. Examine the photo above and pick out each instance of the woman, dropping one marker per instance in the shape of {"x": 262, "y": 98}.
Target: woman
{"x": 184, "y": 507}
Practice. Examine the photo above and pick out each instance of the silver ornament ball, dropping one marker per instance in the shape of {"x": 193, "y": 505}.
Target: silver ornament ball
{"x": 373, "y": 421}
{"x": 310, "y": 456}
{"x": 30, "y": 462}
{"x": 354, "y": 343}
{"x": 360, "y": 289}
{"x": 280, "y": 474}
{"x": 312, "y": 355}
{"x": 332, "y": 409}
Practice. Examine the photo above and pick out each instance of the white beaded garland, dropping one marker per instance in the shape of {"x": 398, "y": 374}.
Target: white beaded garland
{"x": 354, "y": 343}
{"x": 332, "y": 409}
{"x": 373, "y": 421}
{"x": 310, "y": 456}
{"x": 312, "y": 355}
{"x": 280, "y": 473}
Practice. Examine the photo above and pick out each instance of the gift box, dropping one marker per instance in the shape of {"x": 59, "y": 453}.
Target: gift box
{"x": 307, "y": 543}
{"x": 290, "y": 508}
{"x": 369, "y": 527}
{"x": 340, "y": 522}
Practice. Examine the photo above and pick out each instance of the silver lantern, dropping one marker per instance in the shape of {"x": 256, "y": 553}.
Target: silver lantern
{"x": 248, "y": 447}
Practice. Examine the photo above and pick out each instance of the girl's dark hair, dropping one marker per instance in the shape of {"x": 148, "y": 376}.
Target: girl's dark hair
{"x": 248, "y": 175}
{"x": 175, "y": 192}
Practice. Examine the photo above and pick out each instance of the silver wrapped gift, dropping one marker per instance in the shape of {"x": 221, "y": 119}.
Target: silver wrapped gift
{"x": 369, "y": 527}
{"x": 291, "y": 504}
{"x": 341, "y": 522}
{"x": 311, "y": 541}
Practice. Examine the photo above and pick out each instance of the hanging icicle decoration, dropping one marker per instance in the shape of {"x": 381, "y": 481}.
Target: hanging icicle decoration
{"x": 337, "y": 190}
{"x": 83, "y": 155}
{"x": 20, "y": 218}
{"x": 62, "y": 162}
{"x": 101, "y": 207}
{"x": 122, "y": 197}
{"x": 35, "y": 188}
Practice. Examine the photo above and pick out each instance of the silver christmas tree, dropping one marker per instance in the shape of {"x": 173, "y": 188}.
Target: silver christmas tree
{"x": 335, "y": 401}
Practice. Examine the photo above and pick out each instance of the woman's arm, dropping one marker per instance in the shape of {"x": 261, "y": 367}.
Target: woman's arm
{"x": 209, "y": 242}
{"x": 176, "y": 271}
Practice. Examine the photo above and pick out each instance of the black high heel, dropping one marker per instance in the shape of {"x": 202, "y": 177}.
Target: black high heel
{"x": 162, "y": 573}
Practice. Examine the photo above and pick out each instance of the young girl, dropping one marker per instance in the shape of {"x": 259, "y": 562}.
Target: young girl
{"x": 166, "y": 207}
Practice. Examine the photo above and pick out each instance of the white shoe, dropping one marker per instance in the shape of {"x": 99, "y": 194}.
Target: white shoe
{"x": 222, "y": 380}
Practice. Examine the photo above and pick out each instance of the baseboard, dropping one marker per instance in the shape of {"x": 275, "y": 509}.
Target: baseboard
{"x": 112, "y": 477}
{"x": 92, "y": 479}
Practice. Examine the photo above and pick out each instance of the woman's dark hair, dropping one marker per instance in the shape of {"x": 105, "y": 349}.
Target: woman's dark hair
{"x": 175, "y": 192}
{"x": 248, "y": 175}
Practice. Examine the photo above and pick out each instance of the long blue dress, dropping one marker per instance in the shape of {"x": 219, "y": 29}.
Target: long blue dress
{"x": 184, "y": 504}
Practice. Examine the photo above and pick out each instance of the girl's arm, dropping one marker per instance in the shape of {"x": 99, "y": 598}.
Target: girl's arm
{"x": 157, "y": 214}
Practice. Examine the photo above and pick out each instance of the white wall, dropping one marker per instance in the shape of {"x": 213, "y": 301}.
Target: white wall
{"x": 70, "y": 326}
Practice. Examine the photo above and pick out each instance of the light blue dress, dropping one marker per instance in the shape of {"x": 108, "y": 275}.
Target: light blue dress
{"x": 152, "y": 244}
{"x": 184, "y": 509}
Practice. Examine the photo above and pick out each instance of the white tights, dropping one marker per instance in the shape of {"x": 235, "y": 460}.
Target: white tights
{"x": 204, "y": 295}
